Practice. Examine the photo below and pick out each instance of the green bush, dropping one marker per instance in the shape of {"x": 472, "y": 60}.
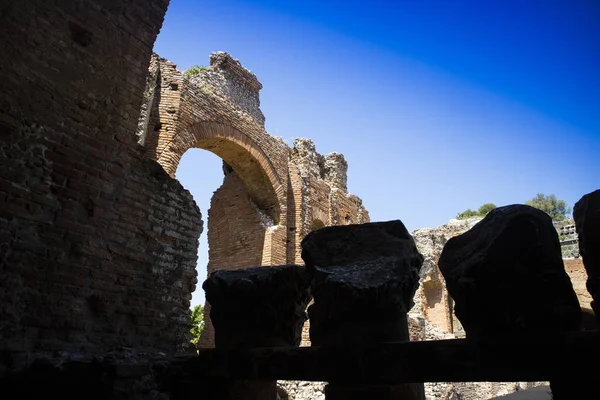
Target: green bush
{"x": 467, "y": 214}
{"x": 197, "y": 323}
{"x": 481, "y": 212}
{"x": 556, "y": 209}
{"x": 195, "y": 70}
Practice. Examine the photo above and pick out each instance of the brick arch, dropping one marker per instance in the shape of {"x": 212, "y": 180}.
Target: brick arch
{"x": 238, "y": 150}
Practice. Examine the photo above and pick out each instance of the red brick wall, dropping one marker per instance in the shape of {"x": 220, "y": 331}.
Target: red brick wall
{"x": 236, "y": 231}
{"x": 97, "y": 244}
{"x": 236, "y": 236}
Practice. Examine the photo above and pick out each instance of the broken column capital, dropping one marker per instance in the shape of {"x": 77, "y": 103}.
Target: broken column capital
{"x": 506, "y": 274}
{"x": 365, "y": 277}
{"x": 587, "y": 223}
{"x": 258, "y": 307}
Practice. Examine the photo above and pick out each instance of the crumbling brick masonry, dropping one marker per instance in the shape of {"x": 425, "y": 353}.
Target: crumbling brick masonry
{"x": 98, "y": 244}
{"x": 272, "y": 195}
{"x": 98, "y": 241}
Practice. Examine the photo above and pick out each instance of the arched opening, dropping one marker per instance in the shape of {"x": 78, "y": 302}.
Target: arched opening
{"x": 202, "y": 187}
{"x": 239, "y": 151}
{"x": 241, "y": 220}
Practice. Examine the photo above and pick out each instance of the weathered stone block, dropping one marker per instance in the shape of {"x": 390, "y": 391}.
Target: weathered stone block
{"x": 368, "y": 270}
{"x": 260, "y": 306}
{"x": 507, "y": 274}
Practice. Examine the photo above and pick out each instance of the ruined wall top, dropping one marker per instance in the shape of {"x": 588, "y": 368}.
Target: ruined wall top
{"x": 332, "y": 168}
{"x": 336, "y": 171}
{"x": 224, "y": 61}
{"x": 305, "y": 156}
{"x": 228, "y": 78}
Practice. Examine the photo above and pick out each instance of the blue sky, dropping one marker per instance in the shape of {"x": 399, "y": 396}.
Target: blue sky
{"x": 438, "y": 105}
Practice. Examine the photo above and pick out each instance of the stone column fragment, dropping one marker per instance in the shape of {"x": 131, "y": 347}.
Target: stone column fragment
{"x": 506, "y": 274}
{"x": 365, "y": 277}
{"x": 257, "y": 307}
{"x": 587, "y": 223}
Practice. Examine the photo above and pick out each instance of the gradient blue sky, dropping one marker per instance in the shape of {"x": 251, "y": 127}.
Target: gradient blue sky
{"x": 437, "y": 105}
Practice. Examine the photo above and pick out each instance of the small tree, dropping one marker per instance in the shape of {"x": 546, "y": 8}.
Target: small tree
{"x": 556, "y": 209}
{"x": 197, "y": 323}
{"x": 485, "y": 209}
{"x": 467, "y": 214}
{"x": 195, "y": 70}
{"x": 481, "y": 212}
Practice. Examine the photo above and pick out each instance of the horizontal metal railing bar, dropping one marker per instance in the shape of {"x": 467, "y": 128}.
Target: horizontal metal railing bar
{"x": 532, "y": 357}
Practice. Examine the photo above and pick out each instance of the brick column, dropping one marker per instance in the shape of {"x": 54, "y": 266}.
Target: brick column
{"x": 365, "y": 277}
{"x": 257, "y": 307}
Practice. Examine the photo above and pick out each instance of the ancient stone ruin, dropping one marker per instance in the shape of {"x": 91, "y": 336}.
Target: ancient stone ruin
{"x": 272, "y": 195}
{"x": 99, "y": 243}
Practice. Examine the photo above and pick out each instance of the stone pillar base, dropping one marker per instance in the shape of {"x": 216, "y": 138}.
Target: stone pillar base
{"x": 255, "y": 307}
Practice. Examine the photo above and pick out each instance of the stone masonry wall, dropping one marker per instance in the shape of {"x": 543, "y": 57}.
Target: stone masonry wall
{"x": 217, "y": 110}
{"x": 97, "y": 240}
{"x": 319, "y": 186}
{"x": 320, "y": 199}
{"x": 229, "y": 79}
{"x": 150, "y": 102}
{"x": 98, "y": 244}
{"x": 272, "y": 195}
{"x": 221, "y": 117}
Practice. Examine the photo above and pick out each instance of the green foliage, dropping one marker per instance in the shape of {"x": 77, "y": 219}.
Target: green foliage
{"x": 195, "y": 70}
{"x": 481, "y": 212}
{"x": 556, "y": 209}
{"x": 197, "y": 322}
{"x": 485, "y": 209}
{"x": 467, "y": 214}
